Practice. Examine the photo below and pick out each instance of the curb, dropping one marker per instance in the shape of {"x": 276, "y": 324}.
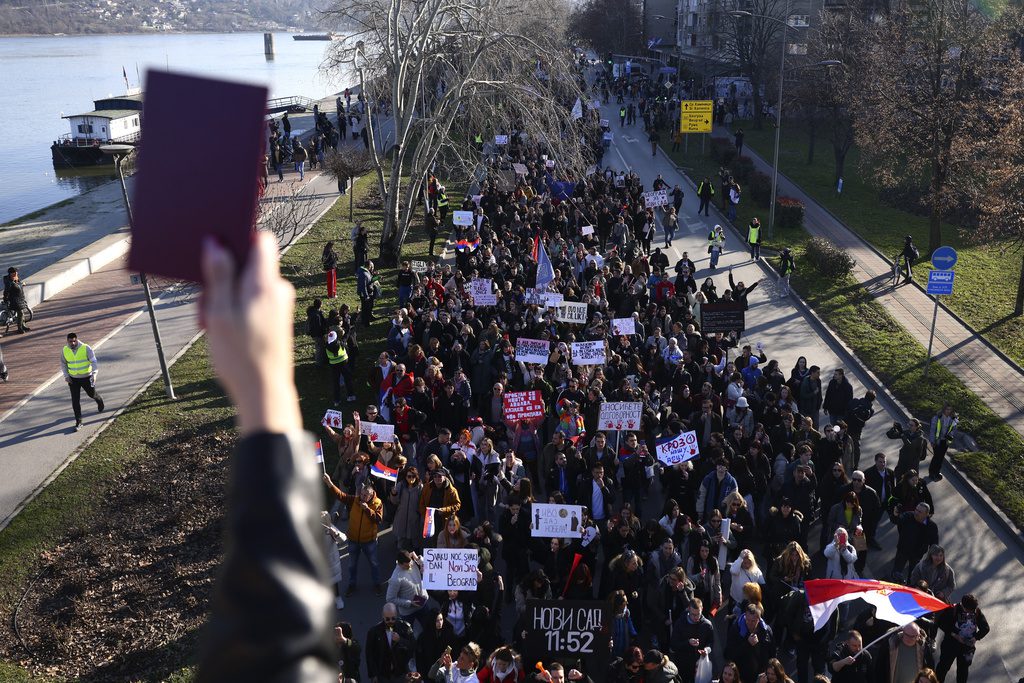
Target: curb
{"x": 74, "y": 268}
{"x": 981, "y": 500}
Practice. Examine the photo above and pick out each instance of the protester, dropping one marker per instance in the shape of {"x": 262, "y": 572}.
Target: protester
{"x": 80, "y": 367}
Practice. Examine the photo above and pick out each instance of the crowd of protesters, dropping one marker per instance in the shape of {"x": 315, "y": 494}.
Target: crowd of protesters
{"x": 721, "y": 543}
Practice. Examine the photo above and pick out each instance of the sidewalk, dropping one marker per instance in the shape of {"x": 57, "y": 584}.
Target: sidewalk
{"x": 996, "y": 381}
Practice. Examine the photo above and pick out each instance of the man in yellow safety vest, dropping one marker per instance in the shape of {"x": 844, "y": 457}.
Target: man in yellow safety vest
{"x": 754, "y": 239}
{"x": 78, "y": 362}
{"x": 337, "y": 358}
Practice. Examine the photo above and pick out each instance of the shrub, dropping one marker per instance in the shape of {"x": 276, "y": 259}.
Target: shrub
{"x": 827, "y": 258}
{"x": 789, "y": 212}
{"x": 742, "y": 168}
{"x": 722, "y": 151}
{"x": 760, "y": 188}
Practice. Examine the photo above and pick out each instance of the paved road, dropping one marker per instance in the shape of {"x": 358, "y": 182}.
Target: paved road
{"x": 37, "y": 438}
{"x": 987, "y": 563}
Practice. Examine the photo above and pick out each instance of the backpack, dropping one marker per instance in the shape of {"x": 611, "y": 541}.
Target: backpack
{"x": 915, "y": 251}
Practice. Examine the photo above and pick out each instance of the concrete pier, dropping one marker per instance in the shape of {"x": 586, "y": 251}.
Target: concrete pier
{"x": 268, "y": 45}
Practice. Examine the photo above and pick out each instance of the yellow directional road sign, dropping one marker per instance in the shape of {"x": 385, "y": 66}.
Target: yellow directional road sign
{"x": 695, "y": 116}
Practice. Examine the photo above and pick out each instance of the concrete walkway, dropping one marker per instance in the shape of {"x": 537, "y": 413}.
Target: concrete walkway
{"x": 993, "y": 378}
{"x": 987, "y": 560}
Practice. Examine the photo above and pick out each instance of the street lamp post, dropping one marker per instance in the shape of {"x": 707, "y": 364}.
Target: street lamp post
{"x": 778, "y": 109}
{"x": 119, "y": 152}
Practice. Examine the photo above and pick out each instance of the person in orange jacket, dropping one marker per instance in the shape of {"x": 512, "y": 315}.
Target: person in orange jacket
{"x": 365, "y": 514}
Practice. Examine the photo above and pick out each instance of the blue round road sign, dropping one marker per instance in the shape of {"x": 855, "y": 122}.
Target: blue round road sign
{"x": 944, "y": 258}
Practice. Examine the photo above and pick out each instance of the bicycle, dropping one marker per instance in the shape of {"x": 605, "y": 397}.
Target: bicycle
{"x": 897, "y": 271}
{"x": 7, "y": 316}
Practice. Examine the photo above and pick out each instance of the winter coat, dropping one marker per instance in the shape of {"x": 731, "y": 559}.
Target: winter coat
{"x": 840, "y": 562}
{"x": 408, "y": 522}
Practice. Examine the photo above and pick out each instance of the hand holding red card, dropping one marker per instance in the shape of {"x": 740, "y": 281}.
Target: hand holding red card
{"x": 201, "y": 150}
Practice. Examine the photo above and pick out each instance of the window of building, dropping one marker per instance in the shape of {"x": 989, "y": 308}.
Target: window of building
{"x": 135, "y": 121}
{"x": 693, "y": 40}
{"x": 799, "y": 20}
{"x": 796, "y": 48}
{"x": 85, "y": 128}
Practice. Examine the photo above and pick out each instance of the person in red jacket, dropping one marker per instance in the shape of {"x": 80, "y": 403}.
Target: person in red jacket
{"x": 664, "y": 289}
{"x": 503, "y": 666}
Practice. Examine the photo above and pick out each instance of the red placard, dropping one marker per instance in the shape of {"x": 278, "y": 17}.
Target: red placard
{"x": 523, "y": 405}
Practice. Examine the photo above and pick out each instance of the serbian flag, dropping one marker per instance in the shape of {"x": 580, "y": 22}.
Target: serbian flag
{"x": 430, "y": 523}
{"x": 464, "y": 244}
{"x": 319, "y": 452}
{"x": 384, "y": 472}
{"x": 894, "y": 602}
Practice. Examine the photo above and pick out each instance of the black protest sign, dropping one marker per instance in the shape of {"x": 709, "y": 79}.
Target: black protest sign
{"x": 722, "y": 317}
{"x": 568, "y": 629}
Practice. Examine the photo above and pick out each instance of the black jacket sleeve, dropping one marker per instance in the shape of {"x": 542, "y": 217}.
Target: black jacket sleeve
{"x": 272, "y": 605}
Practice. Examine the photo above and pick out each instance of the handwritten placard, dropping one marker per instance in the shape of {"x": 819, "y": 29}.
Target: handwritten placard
{"x": 588, "y": 353}
{"x": 677, "y": 449}
{"x": 482, "y": 292}
{"x": 623, "y": 326}
{"x": 572, "y": 312}
{"x": 556, "y": 521}
{"x": 377, "y": 433}
{"x": 532, "y": 350}
{"x": 619, "y": 416}
{"x": 656, "y": 198}
{"x": 522, "y": 405}
{"x": 462, "y": 218}
{"x": 450, "y": 569}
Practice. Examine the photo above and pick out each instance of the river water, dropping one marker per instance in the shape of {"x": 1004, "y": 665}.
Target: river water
{"x": 42, "y": 78}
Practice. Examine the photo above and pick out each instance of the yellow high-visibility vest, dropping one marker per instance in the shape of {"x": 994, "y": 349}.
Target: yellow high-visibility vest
{"x": 340, "y": 357}
{"x": 78, "y": 361}
{"x": 754, "y": 233}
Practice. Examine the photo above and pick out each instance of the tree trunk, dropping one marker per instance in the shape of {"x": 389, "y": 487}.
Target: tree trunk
{"x": 812, "y": 136}
{"x": 840, "y": 156}
{"x": 1019, "y": 308}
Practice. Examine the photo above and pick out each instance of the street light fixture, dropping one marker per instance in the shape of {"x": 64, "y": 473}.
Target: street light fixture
{"x": 119, "y": 152}
{"x": 778, "y": 109}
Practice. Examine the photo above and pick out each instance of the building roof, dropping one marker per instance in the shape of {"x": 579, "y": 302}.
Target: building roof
{"x": 107, "y": 114}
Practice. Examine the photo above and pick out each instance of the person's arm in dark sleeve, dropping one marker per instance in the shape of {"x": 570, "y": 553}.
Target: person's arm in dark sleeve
{"x": 272, "y": 607}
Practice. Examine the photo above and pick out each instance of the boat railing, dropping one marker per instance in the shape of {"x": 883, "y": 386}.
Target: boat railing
{"x": 295, "y": 103}
{"x": 68, "y": 140}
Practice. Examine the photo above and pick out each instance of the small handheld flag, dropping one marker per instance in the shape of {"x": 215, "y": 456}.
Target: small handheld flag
{"x": 429, "y": 523}
{"x": 319, "y": 451}
{"x": 384, "y": 472}
{"x": 893, "y": 602}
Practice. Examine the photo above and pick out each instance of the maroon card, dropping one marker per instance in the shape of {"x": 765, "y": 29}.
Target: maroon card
{"x": 202, "y": 146}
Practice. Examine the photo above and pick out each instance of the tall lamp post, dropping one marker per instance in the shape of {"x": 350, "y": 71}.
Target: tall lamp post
{"x": 778, "y": 108}
{"x": 119, "y": 152}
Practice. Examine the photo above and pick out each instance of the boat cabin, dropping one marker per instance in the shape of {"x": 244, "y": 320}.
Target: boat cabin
{"x": 114, "y": 119}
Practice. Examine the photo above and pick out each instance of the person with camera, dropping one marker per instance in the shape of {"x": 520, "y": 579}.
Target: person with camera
{"x": 963, "y": 625}
{"x": 14, "y": 297}
{"x": 940, "y": 433}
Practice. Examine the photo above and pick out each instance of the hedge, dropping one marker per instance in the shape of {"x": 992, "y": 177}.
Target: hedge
{"x": 828, "y": 259}
{"x": 789, "y": 212}
{"x": 760, "y": 189}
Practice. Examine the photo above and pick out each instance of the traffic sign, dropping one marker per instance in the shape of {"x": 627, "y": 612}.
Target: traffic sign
{"x": 940, "y": 282}
{"x": 944, "y": 258}
{"x": 695, "y": 116}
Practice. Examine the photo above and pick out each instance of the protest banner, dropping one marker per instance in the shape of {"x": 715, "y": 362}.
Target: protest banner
{"x": 520, "y": 169}
{"x": 553, "y": 299}
{"x": 577, "y": 628}
{"x": 522, "y": 405}
{"x": 501, "y": 139}
{"x": 532, "y": 296}
{"x": 676, "y": 449}
{"x": 462, "y": 217}
{"x": 550, "y": 163}
{"x": 482, "y": 292}
{"x": 419, "y": 266}
{"x": 607, "y": 137}
{"x": 332, "y": 419}
{"x": 450, "y": 569}
{"x": 556, "y": 521}
{"x": 532, "y": 350}
{"x": 656, "y": 198}
{"x": 623, "y": 326}
{"x": 588, "y": 353}
{"x": 572, "y": 312}
{"x": 722, "y": 317}
{"x": 619, "y": 416}
{"x": 588, "y": 230}
{"x": 377, "y": 433}
{"x": 604, "y": 123}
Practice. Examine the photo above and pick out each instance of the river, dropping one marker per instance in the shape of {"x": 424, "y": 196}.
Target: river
{"x": 45, "y": 77}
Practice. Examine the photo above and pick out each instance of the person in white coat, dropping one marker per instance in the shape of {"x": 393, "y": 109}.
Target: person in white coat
{"x": 841, "y": 556}
{"x": 333, "y": 538}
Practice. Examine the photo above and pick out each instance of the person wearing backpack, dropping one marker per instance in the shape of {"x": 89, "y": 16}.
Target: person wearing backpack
{"x": 910, "y": 254}
{"x": 329, "y": 261}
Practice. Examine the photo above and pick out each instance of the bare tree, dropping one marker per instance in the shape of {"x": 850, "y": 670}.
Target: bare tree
{"x": 452, "y": 72}
{"x": 920, "y": 95}
{"x": 609, "y": 26}
{"x": 751, "y": 41}
{"x": 287, "y": 214}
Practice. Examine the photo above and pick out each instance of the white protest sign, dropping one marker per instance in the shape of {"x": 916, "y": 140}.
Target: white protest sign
{"x": 623, "y": 326}
{"x": 376, "y": 432}
{"x": 587, "y": 230}
{"x": 450, "y": 569}
{"x": 607, "y": 137}
{"x": 501, "y": 139}
{"x": 604, "y": 123}
{"x": 481, "y": 291}
{"x": 332, "y": 418}
{"x": 572, "y": 312}
{"x": 419, "y": 266}
{"x": 658, "y": 198}
{"x": 619, "y": 416}
{"x": 677, "y": 449}
{"x": 532, "y": 296}
{"x": 553, "y": 299}
{"x": 520, "y": 169}
{"x": 532, "y": 350}
{"x": 462, "y": 218}
{"x": 550, "y": 163}
{"x": 476, "y": 200}
{"x": 588, "y": 353}
{"x": 556, "y": 521}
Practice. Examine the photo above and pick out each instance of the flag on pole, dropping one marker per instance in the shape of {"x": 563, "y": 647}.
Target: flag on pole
{"x": 893, "y": 602}
{"x": 384, "y": 472}
{"x": 125, "y": 74}
{"x": 319, "y": 451}
{"x": 430, "y": 523}
{"x": 577, "y": 110}
{"x": 545, "y": 271}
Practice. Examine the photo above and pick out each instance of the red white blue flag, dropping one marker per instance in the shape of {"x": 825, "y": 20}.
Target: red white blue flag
{"x": 894, "y": 603}
{"x": 319, "y": 453}
{"x": 430, "y": 523}
{"x": 384, "y": 472}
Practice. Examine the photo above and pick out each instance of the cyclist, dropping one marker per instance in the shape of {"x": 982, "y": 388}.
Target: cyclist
{"x": 910, "y": 254}
{"x": 14, "y": 297}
